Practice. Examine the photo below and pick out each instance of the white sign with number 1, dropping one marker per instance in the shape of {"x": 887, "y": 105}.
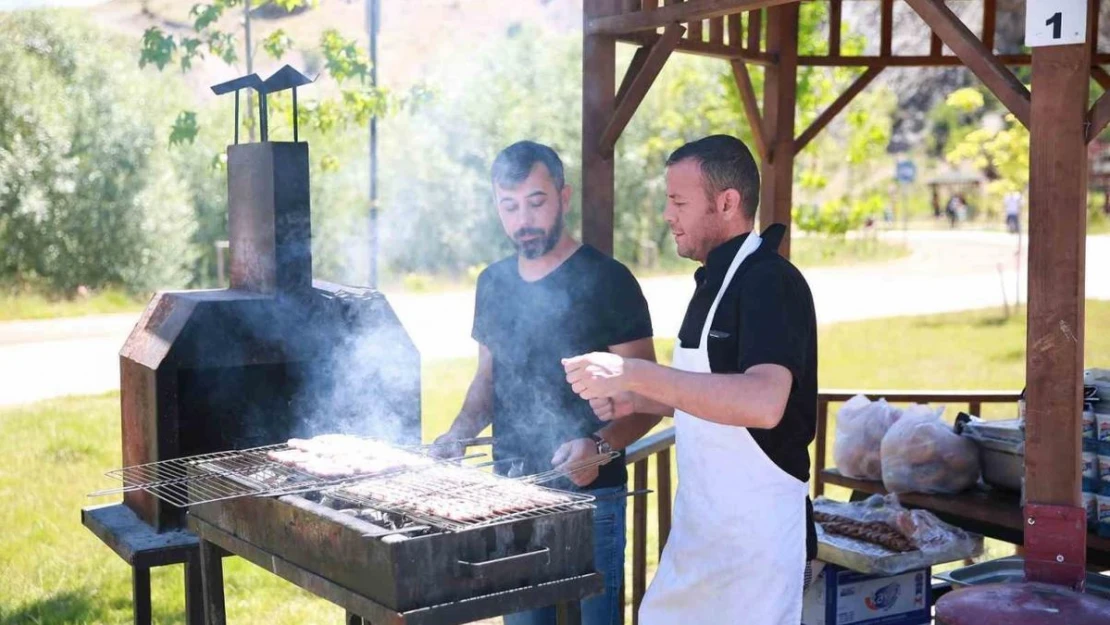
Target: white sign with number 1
{"x": 1055, "y": 22}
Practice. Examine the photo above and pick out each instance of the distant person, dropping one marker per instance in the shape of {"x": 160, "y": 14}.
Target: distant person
{"x": 954, "y": 209}
{"x": 553, "y": 299}
{"x": 1012, "y": 206}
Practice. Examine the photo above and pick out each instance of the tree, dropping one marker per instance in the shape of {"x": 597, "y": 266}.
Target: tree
{"x": 353, "y": 101}
{"x": 86, "y": 198}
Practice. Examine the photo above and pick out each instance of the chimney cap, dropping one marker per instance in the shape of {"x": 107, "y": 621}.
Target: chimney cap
{"x": 285, "y": 78}
{"x": 251, "y": 81}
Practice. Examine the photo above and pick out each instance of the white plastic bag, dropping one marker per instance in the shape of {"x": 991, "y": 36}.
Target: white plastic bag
{"x": 860, "y": 427}
{"x": 921, "y": 454}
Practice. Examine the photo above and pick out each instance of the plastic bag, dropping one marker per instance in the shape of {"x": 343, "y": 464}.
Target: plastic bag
{"x": 860, "y": 427}
{"x": 920, "y": 454}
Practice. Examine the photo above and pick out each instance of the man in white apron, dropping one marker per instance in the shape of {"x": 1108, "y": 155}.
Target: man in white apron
{"x": 743, "y": 393}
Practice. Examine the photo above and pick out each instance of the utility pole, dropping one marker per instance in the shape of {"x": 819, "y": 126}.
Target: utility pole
{"x": 250, "y": 65}
{"x": 372, "y": 23}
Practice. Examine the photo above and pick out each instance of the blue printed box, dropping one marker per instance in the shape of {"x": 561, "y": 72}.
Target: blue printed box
{"x": 841, "y": 596}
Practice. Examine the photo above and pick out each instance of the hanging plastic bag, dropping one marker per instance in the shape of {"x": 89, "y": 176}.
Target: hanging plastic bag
{"x": 861, "y": 425}
{"x": 921, "y": 454}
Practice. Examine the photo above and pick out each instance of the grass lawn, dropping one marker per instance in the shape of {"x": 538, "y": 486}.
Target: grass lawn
{"x": 818, "y": 251}
{"x": 57, "y": 572}
{"x": 35, "y": 306}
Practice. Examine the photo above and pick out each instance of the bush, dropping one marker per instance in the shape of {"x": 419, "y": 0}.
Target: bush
{"x": 88, "y": 195}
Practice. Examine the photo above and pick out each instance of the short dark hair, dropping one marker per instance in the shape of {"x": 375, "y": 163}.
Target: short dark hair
{"x": 726, "y": 163}
{"x": 515, "y": 162}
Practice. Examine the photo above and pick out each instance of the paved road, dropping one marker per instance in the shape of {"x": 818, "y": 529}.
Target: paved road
{"x": 946, "y": 271}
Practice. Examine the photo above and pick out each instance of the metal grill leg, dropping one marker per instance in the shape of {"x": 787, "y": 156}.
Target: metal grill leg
{"x": 212, "y": 581}
{"x": 569, "y": 613}
{"x": 140, "y": 594}
{"x": 194, "y": 591}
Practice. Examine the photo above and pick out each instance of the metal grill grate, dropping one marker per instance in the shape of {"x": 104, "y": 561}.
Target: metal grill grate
{"x": 227, "y": 475}
{"x": 460, "y": 498}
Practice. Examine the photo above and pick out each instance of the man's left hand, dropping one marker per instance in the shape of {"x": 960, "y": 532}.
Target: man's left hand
{"x": 598, "y": 374}
{"x": 573, "y": 452}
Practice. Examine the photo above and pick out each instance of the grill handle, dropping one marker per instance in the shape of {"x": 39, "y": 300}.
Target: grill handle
{"x": 518, "y": 565}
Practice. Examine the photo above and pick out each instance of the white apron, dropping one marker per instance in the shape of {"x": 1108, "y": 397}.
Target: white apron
{"x": 737, "y": 549}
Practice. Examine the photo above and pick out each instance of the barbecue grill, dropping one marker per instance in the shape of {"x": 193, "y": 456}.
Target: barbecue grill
{"x": 214, "y": 381}
{"x": 381, "y": 537}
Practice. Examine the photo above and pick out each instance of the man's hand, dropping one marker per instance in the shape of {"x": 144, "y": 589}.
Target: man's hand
{"x": 597, "y": 375}
{"x": 573, "y": 452}
{"x": 615, "y": 407}
{"x": 445, "y": 447}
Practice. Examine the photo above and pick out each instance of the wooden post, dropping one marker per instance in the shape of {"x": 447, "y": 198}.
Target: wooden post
{"x": 1057, "y": 229}
{"x": 639, "y": 539}
{"x": 599, "y": 72}
{"x": 779, "y": 92}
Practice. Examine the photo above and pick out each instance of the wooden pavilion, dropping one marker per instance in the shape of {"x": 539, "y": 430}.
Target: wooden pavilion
{"x": 1054, "y": 109}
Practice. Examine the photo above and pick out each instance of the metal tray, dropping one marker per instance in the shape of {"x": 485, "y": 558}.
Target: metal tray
{"x": 1009, "y": 570}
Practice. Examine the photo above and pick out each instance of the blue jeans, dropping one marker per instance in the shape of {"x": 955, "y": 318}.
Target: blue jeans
{"x": 603, "y": 609}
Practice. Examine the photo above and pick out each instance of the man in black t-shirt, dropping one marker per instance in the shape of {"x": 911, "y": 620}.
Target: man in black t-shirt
{"x": 552, "y": 300}
{"x": 743, "y": 392}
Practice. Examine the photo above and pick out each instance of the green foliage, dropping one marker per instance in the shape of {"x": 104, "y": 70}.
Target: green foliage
{"x": 184, "y": 128}
{"x": 277, "y": 43}
{"x": 343, "y": 58}
{"x": 86, "y": 198}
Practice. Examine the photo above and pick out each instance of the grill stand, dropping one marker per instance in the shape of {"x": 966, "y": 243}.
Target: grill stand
{"x": 566, "y": 593}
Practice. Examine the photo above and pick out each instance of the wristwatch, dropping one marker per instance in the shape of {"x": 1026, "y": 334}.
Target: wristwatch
{"x": 603, "y": 446}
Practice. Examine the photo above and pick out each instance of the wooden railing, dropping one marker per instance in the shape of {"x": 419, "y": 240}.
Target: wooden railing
{"x": 659, "y": 446}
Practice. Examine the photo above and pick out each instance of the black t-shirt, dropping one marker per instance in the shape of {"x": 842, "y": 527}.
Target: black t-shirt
{"x": 766, "y": 316}
{"x": 585, "y": 305}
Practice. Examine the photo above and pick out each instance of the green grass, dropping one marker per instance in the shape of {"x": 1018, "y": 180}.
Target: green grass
{"x": 819, "y": 251}
{"x": 24, "y": 305}
{"x": 54, "y": 571}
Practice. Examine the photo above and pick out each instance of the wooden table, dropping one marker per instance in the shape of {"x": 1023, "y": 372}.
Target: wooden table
{"x": 995, "y": 513}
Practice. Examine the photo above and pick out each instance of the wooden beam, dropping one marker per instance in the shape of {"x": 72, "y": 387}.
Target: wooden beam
{"x": 1098, "y": 117}
{"x": 638, "y": 85}
{"x": 634, "y": 67}
{"x": 649, "y": 5}
{"x": 619, "y": 24}
{"x": 751, "y": 107}
{"x": 990, "y": 18}
{"x": 779, "y": 96}
{"x": 1101, "y": 76}
{"x": 1005, "y": 86}
{"x": 700, "y": 48}
{"x": 1092, "y": 25}
{"x": 755, "y": 30}
{"x": 829, "y": 114}
{"x": 834, "y": 27}
{"x": 886, "y": 28}
{"x": 599, "y": 69}
{"x": 1057, "y": 255}
{"x": 917, "y": 61}
{"x": 717, "y": 30}
{"x": 694, "y": 30}
{"x": 736, "y": 30}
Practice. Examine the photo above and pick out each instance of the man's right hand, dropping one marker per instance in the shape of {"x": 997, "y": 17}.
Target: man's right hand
{"x": 616, "y": 407}
{"x": 445, "y": 447}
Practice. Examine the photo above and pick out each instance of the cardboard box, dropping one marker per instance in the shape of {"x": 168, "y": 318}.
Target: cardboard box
{"x": 840, "y": 596}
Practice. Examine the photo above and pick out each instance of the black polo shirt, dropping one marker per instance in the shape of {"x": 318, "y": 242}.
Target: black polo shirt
{"x": 765, "y": 316}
